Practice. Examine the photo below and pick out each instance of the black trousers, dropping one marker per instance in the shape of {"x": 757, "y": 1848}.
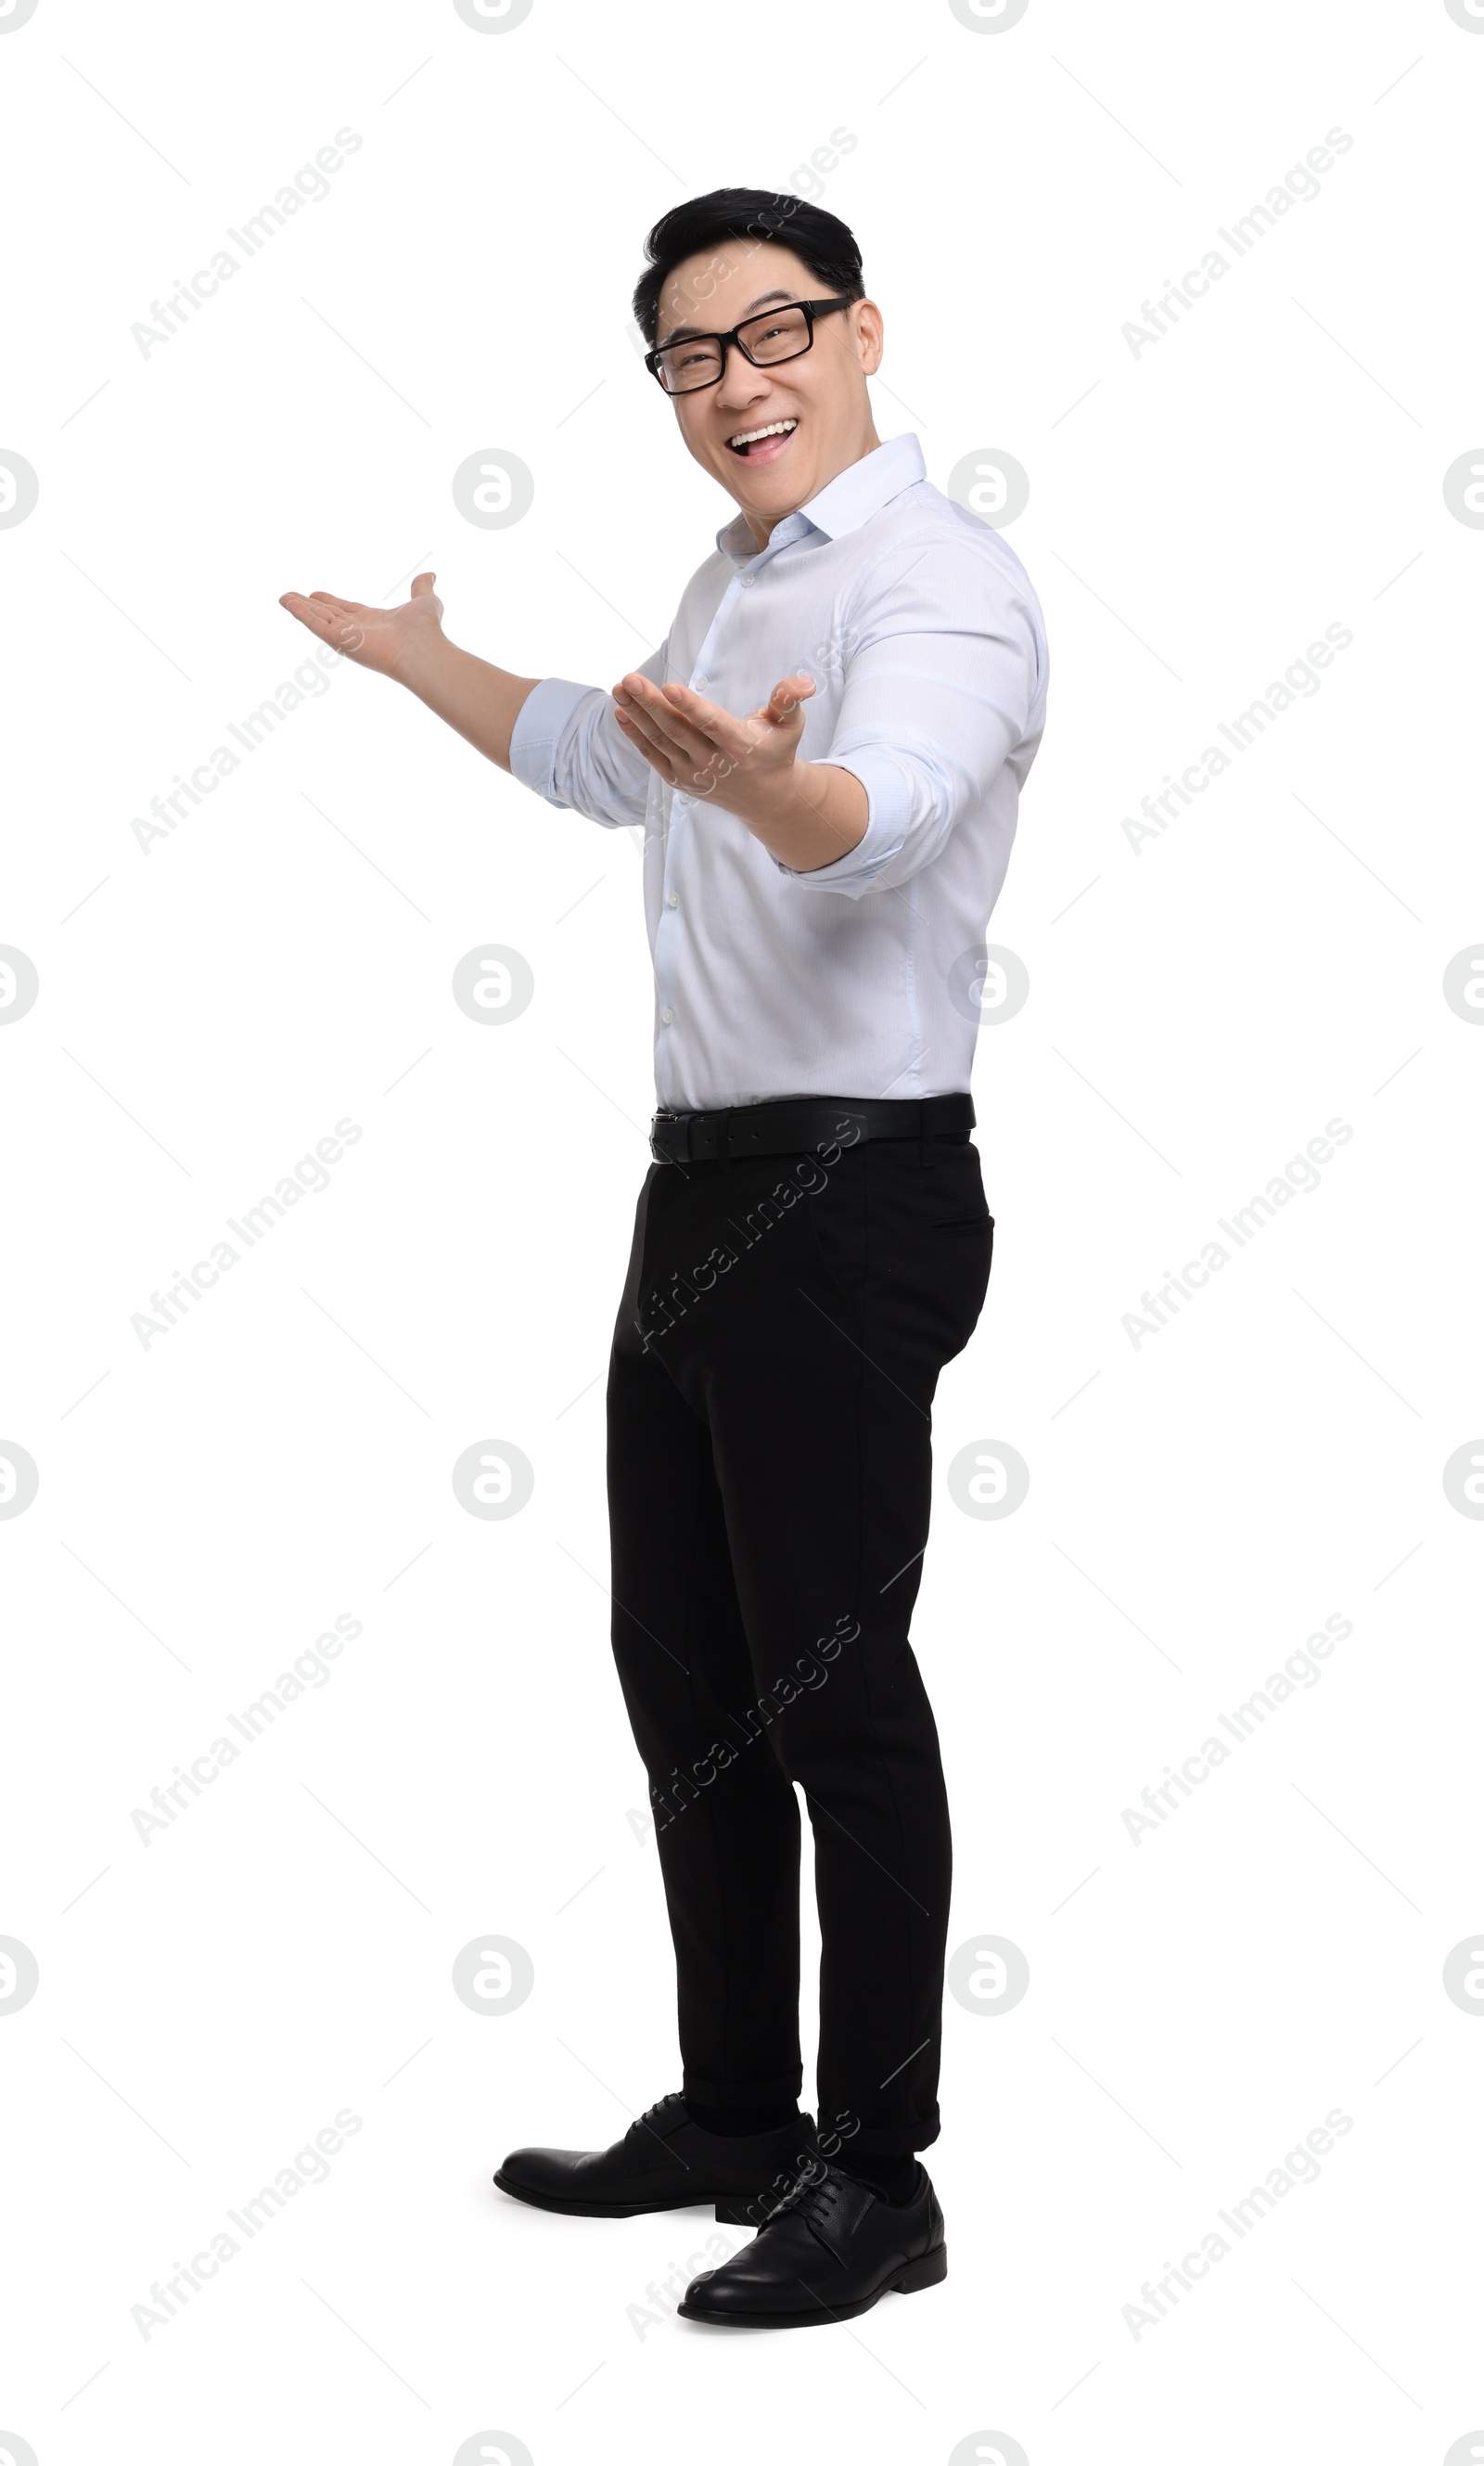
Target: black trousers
{"x": 781, "y": 1330}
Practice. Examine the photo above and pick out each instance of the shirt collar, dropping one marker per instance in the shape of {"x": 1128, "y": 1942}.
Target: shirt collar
{"x": 842, "y": 504}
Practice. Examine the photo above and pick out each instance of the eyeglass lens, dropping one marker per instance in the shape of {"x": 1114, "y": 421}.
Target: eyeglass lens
{"x": 782, "y": 334}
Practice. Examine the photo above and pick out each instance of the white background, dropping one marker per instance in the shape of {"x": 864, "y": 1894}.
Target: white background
{"x": 1198, "y": 1505}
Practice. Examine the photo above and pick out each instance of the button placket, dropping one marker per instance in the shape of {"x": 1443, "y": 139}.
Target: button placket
{"x": 709, "y": 655}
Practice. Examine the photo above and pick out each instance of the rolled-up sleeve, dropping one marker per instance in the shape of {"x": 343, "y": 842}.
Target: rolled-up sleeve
{"x": 944, "y": 680}
{"x": 567, "y": 746}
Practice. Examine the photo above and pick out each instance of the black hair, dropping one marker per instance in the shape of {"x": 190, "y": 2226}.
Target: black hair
{"x": 827, "y": 247}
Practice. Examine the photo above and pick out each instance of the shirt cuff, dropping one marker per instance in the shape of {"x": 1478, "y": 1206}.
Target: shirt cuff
{"x": 540, "y": 723}
{"x": 888, "y": 811}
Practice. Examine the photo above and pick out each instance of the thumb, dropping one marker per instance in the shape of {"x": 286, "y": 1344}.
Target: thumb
{"x": 788, "y": 693}
{"x": 422, "y": 585}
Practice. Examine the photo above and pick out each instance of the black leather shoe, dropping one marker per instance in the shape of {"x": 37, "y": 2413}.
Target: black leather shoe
{"x": 826, "y": 2251}
{"x": 663, "y": 2162}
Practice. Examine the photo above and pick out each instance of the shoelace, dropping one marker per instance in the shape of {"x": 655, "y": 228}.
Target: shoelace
{"x": 640, "y": 2121}
{"x": 809, "y": 2196}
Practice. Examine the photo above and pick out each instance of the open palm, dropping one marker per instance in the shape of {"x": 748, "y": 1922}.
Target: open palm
{"x": 387, "y": 640}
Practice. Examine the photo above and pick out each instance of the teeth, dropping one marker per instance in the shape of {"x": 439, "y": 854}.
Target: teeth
{"x": 750, "y": 436}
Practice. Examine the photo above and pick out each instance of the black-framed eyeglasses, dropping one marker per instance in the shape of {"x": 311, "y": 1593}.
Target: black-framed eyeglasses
{"x": 778, "y": 334}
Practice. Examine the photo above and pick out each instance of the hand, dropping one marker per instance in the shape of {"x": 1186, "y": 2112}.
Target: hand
{"x": 391, "y": 641}
{"x": 807, "y": 814}
{"x": 746, "y": 764}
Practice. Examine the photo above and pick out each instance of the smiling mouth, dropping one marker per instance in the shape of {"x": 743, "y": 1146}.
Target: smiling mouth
{"x": 761, "y": 444}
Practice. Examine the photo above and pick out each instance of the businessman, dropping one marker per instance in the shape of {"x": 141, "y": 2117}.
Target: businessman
{"x": 825, "y": 756}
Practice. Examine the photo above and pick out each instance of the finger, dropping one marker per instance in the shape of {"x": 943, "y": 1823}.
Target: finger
{"x": 338, "y": 622}
{"x": 651, "y": 752}
{"x": 641, "y": 733}
{"x": 349, "y": 620}
{"x": 686, "y": 726}
{"x": 664, "y": 725}
{"x": 710, "y": 751}
{"x": 647, "y": 697}
{"x": 636, "y": 719}
{"x": 787, "y": 694}
{"x": 310, "y": 612}
{"x": 715, "y": 726}
{"x": 692, "y": 765}
{"x": 320, "y": 607}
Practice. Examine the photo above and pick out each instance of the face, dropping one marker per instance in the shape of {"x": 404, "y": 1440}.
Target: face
{"x": 817, "y": 404}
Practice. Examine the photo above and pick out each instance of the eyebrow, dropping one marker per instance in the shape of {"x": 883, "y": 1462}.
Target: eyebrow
{"x": 688, "y": 333}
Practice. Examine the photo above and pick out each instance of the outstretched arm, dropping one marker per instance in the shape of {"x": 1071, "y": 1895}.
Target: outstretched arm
{"x": 409, "y": 645}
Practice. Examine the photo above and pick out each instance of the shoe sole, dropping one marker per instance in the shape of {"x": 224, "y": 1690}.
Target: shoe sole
{"x": 930, "y": 2271}
{"x": 730, "y": 2212}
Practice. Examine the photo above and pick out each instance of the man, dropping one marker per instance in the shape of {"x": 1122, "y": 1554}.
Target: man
{"x": 825, "y": 756}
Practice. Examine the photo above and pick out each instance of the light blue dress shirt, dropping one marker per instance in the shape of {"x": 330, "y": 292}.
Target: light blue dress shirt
{"x": 926, "y": 643}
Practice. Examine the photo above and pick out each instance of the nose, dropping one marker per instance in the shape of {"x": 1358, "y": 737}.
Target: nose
{"x": 742, "y": 384}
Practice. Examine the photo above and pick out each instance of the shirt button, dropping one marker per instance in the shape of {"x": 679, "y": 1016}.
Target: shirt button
{"x": 748, "y": 581}
{"x": 667, "y": 1016}
{"x": 673, "y": 900}
{"x": 701, "y": 681}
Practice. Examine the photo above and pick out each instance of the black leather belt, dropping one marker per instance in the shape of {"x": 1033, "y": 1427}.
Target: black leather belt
{"x": 796, "y": 1123}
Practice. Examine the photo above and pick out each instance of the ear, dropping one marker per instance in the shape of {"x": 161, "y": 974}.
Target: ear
{"x": 868, "y": 334}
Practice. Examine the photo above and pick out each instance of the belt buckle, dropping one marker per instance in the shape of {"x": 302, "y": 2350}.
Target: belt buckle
{"x": 661, "y": 1153}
